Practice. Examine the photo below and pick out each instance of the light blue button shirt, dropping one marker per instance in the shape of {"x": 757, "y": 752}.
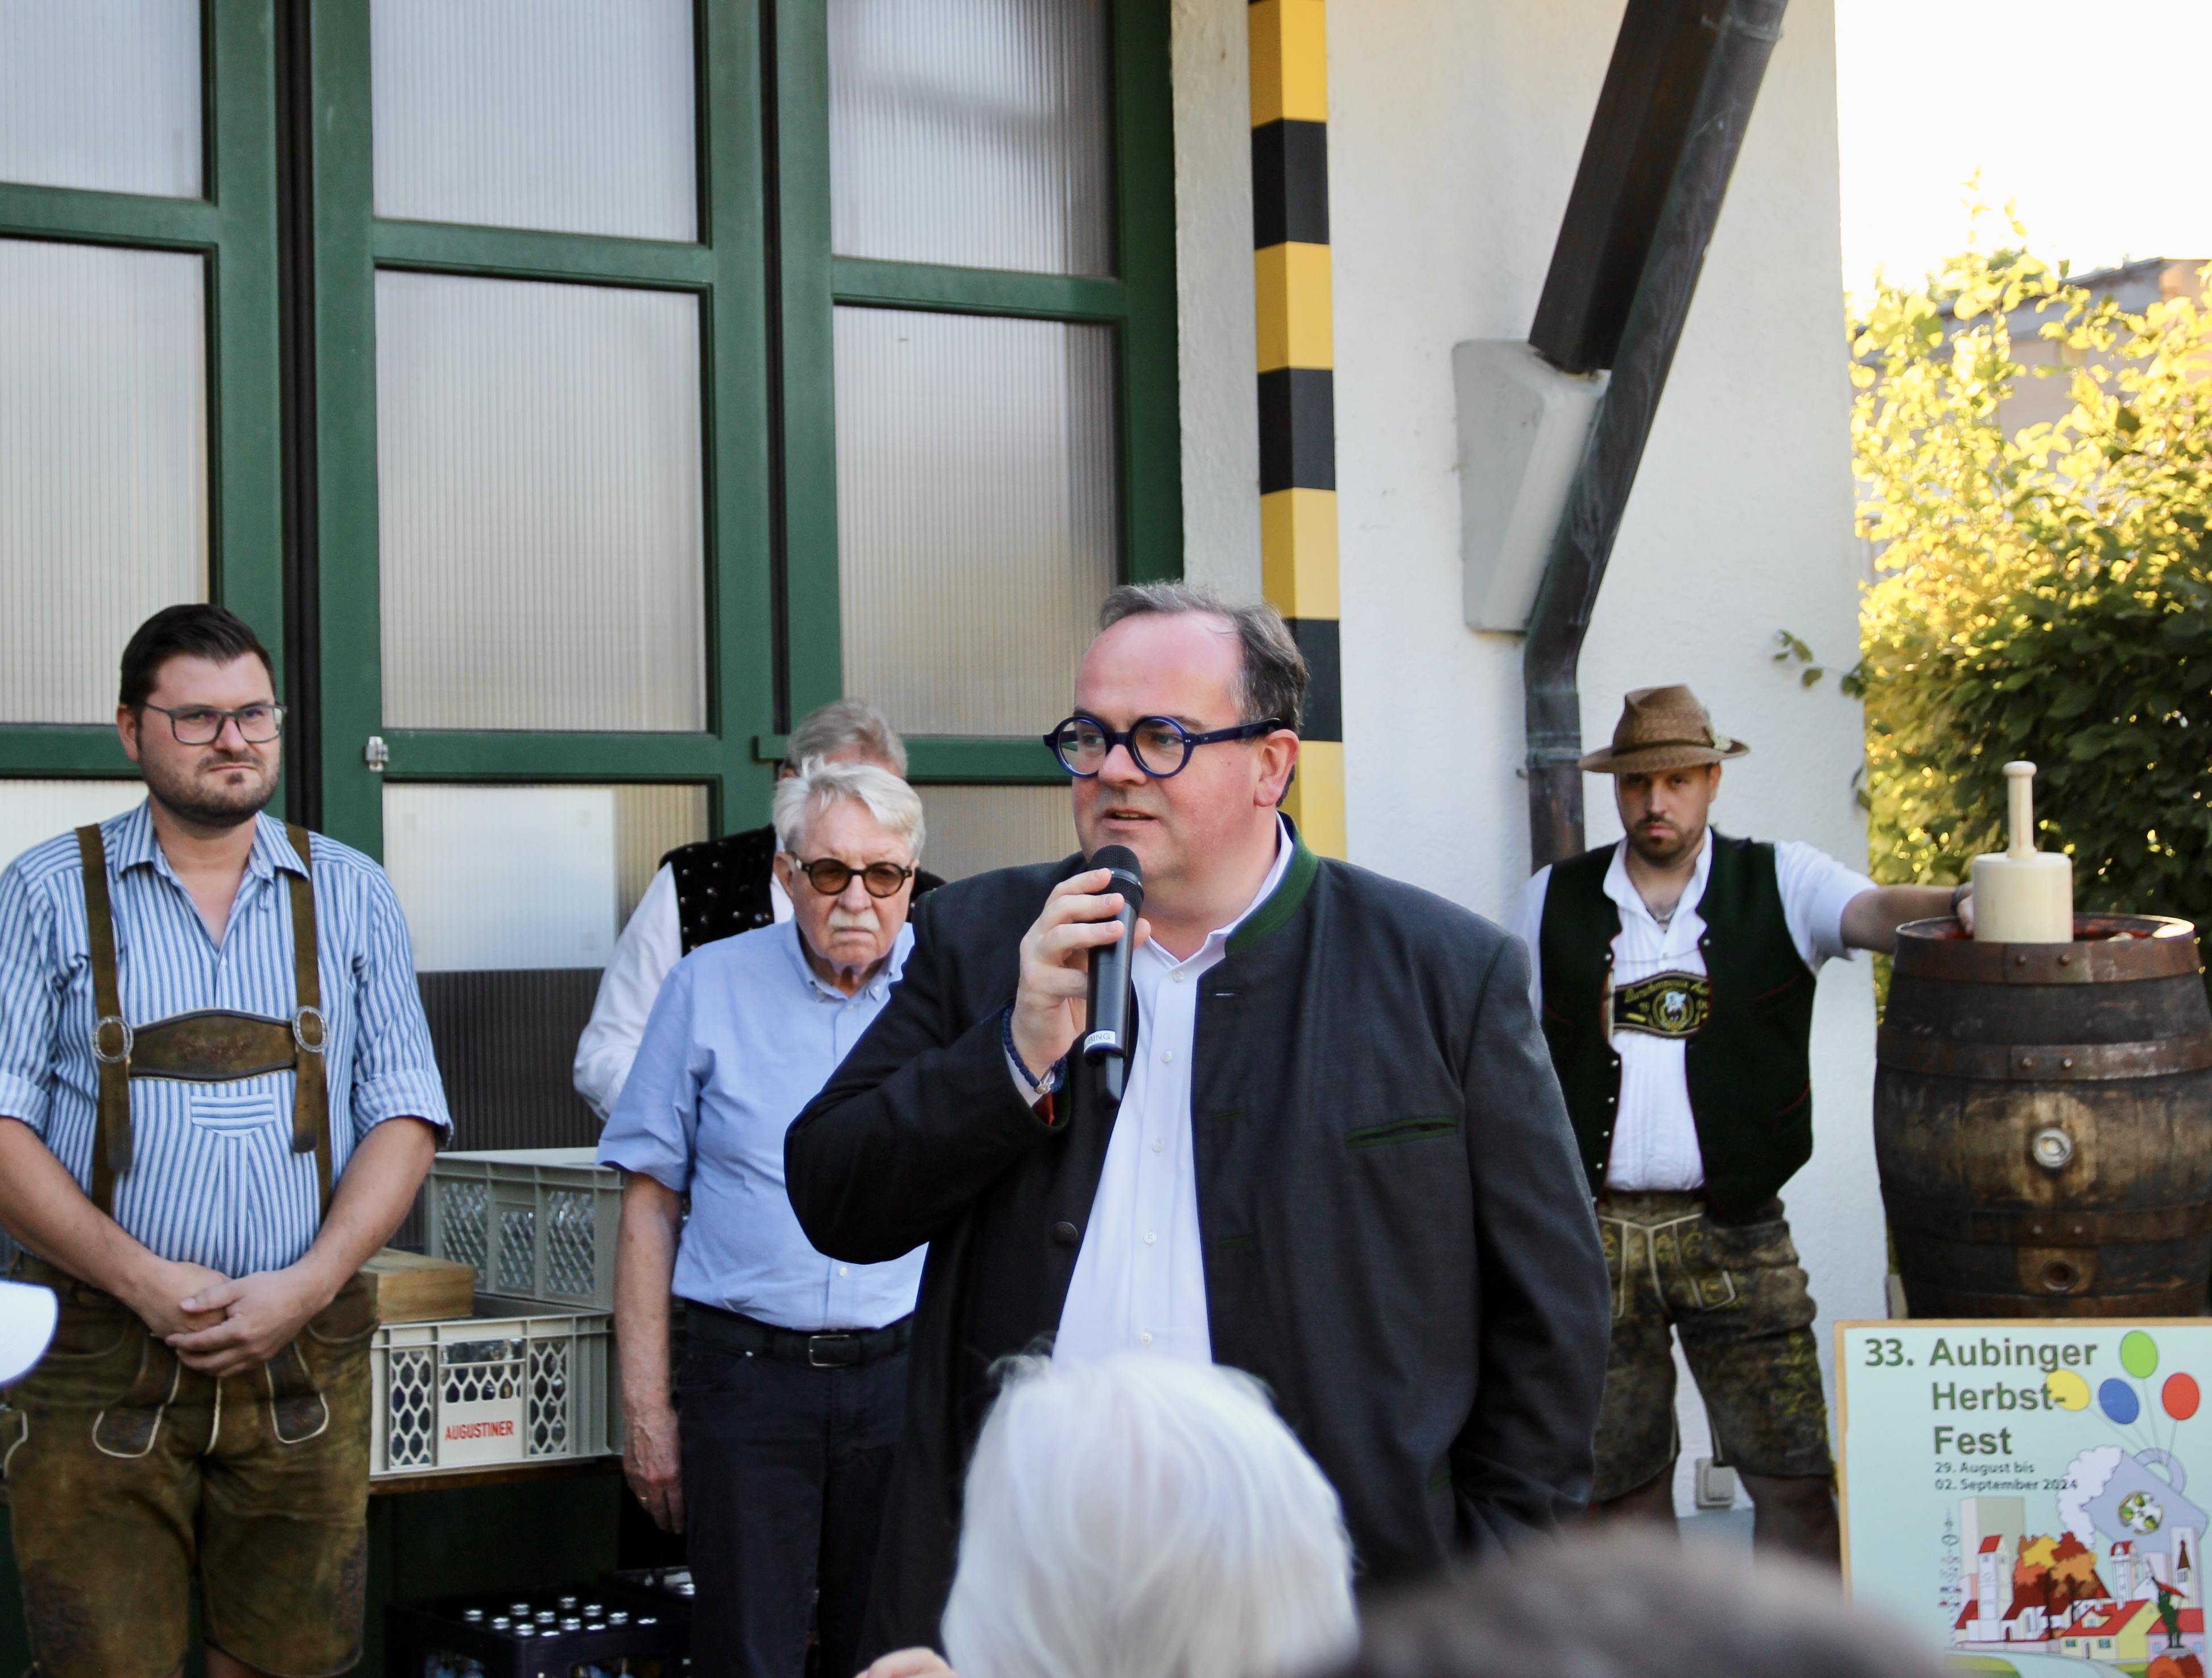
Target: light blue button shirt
{"x": 742, "y": 1037}
{"x": 213, "y": 1178}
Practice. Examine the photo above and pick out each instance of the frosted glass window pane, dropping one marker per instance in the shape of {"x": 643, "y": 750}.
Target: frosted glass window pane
{"x": 34, "y": 811}
{"x": 502, "y": 877}
{"x": 103, "y": 464}
{"x": 574, "y": 116}
{"x": 101, "y": 95}
{"x": 540, "y": 503}
{"x": 974, "y": 132}
{"x": 975, "y": 513}
{"x": 972, "y": 829}
{"x": 649, "y": 823}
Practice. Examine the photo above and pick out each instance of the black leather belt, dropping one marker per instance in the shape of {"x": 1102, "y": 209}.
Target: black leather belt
{"x": 832, "y": 1349}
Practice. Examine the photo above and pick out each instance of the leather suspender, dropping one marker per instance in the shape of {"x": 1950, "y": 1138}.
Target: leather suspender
{"x": 113, "y": 1039}
{"x": 111, "y": 1035}
{"x": 311, "y": 1106}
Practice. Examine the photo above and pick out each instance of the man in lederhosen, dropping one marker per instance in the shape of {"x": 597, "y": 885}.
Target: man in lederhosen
{"x": 1674, "y": 975}
{"x": 206, "y": 1020}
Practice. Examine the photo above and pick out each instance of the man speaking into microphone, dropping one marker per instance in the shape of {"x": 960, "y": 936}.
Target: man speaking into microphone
{"x": 1339, "y": 1160}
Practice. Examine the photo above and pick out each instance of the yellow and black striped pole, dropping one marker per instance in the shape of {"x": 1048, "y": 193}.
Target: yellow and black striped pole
{"x": 1297, "y": 396}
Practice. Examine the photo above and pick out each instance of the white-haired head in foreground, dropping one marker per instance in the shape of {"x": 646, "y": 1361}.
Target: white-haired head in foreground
{"x": 1142, "y": 1518}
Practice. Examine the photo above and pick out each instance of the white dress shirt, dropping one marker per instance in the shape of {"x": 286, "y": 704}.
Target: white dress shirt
{"x": 1139, "y": 1280}
{"x": 1655, "y": 1140}
{"x": 645, "y": 953}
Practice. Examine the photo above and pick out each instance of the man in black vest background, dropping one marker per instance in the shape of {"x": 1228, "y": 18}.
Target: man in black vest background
{"x": 1675, "y": 976}
{"x": 714, "y": 889}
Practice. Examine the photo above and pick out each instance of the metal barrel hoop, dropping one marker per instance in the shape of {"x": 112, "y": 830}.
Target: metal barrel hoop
{"x": 322, "y": 1034}
{"x": 122, "y": 1056}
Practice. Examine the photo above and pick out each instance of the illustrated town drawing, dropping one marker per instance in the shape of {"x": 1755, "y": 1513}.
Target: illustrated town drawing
{"x": 2119, "y": 1580}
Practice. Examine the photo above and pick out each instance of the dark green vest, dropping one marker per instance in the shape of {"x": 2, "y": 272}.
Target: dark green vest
{"x": 1749, "y": 1072}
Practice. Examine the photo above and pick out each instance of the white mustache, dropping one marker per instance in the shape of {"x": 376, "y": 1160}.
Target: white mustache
{"x": 844, "y": 920}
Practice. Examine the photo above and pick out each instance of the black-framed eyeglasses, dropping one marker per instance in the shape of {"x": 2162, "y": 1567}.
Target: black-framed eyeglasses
{"x": 831, "y": 876}
{"x": 1160, "y": 746}
{"x": 202, "y": 725}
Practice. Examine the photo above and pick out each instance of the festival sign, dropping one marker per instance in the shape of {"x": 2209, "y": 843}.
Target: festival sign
{"x": 2019, "y": 1489}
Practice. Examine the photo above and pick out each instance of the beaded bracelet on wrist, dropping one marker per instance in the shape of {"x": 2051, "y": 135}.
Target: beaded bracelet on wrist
{"x": 1044, "y": 1085}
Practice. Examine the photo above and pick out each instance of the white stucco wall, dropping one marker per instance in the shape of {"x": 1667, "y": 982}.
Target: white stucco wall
{"x": 1456, "y": 127}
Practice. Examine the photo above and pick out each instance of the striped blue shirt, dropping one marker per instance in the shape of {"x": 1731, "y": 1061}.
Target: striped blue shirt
{"x": 213, "y": 1179}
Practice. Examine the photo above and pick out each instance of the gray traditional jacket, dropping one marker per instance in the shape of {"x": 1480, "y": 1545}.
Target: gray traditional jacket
{"x": 1398, "y": 1239}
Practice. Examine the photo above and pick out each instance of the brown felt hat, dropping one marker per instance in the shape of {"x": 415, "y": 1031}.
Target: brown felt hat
{"x": 1663, "y": 728}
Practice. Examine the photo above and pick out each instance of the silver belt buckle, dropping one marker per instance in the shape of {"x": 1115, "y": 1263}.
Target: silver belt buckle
{"x": 814, "y": 1344}
{"x": 129, "y": 1039}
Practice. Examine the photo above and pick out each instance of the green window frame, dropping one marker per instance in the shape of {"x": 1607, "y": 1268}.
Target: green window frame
{"x": 1138, "y": 303}
{"x": 725, "y": 269}
{"x": 234, "y": 228}
{"x": 768, "y": 283}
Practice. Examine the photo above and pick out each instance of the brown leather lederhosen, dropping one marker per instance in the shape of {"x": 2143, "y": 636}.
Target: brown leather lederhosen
{"x": 209, "y": 1045}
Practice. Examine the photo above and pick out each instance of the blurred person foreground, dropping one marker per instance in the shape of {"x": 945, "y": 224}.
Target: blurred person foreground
{"x": 1625, "y": 1605}
{"x": 1141, "y": 1517}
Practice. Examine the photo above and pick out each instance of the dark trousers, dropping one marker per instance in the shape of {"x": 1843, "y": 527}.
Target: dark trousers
{"x": 785, "y": 1470}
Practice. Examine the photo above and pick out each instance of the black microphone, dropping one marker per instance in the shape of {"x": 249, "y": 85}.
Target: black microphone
{"x": 1107, "y": 1037}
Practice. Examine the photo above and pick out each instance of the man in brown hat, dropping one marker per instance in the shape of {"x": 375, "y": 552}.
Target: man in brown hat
{"x": 1675, "y": 976}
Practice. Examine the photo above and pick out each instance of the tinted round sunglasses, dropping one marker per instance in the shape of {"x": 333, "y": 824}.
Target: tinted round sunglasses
{"x": 831, "y": 876}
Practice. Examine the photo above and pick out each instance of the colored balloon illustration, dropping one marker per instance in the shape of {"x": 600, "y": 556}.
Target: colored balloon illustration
{"x": 2119, "y": 1402}
{"x": 2069, "y": 1391}
{"x": 2180, "y": 1396}
{"x": 2139, "y": 1354}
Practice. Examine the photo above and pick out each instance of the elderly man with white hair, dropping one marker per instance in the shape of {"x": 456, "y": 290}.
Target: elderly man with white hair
{"x": 715, "y": 889}
{"x": 1141, "y": 1517}
{"x": 775, "y": 1458}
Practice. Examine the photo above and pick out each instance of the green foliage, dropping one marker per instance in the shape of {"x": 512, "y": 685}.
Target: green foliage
{"x": 1810, "y": 676}
{"x": 2046, "y": 595}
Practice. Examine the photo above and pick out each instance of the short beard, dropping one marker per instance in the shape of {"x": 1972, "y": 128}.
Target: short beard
{"x": 183, "y": 799}
{"x": 1672, "y": 854}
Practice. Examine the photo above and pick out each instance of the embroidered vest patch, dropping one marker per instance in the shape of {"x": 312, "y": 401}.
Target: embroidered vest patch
{"x": 1666, "y": 1004}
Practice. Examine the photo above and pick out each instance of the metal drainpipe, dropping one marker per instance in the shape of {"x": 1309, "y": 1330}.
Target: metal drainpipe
{"x": 1602, "y": 481}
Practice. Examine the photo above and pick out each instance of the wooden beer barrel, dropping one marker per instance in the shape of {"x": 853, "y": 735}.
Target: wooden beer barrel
{"x": 2043, "y": 1121}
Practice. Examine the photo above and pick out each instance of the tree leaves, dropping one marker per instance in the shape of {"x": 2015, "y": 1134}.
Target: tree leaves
{"x": 2046, "y": 595}
{"x": 1793, "y": 648}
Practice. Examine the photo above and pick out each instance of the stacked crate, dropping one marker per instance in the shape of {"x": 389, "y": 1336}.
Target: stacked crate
{"x": 531, "y": 1376}
{"x": 536, "y": 1222}
{"x": 516, "y": 1383}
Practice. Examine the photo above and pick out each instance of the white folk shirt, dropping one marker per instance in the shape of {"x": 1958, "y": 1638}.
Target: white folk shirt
{"x": 645, "y": 955}
{"x": 1655, "y": 1140}
{"x": 1139, "y": 1280}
